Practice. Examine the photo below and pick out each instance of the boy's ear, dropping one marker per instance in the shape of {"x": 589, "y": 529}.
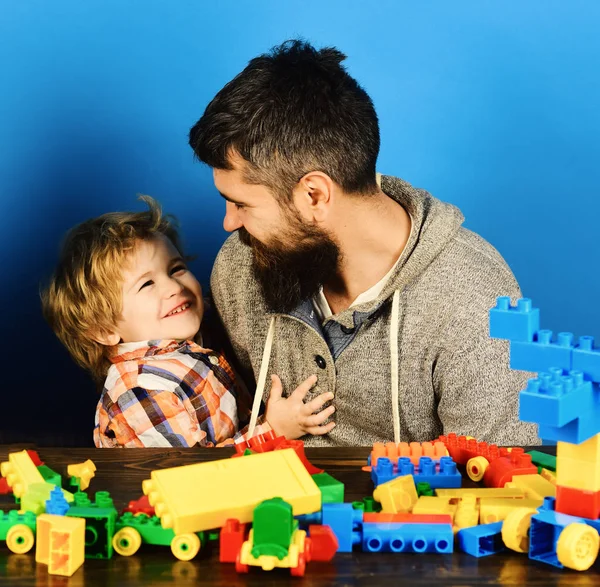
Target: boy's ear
{"x": 105, "y": 338}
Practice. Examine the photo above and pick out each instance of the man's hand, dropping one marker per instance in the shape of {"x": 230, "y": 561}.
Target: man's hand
{"x": 291, "y": 417}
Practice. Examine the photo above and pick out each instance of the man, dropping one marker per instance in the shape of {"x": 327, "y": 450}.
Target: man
{"x": 332, "y": 270}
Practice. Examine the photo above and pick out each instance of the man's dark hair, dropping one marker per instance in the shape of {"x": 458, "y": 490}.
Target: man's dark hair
{"x": 291, "y": 111}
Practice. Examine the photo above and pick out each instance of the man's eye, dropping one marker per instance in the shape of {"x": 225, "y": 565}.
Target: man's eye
{"x": 178, "y": 268}
{"x": 238, "y": 206}
{"x": 148, "y": 283}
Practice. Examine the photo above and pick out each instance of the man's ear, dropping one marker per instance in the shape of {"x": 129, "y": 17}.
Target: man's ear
{"x": 313, "y": 195}
{"x": 105, "y": 338}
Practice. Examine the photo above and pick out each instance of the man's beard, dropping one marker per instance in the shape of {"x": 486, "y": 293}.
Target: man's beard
{"x": 288, "y": 275}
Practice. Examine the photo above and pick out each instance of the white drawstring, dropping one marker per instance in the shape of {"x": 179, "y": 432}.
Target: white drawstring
{"x": 394, "y": 327}
{"x": 262, "y": 377}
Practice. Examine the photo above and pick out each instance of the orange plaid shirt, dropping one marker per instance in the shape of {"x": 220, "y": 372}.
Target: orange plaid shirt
{"x": 169, "y": 393}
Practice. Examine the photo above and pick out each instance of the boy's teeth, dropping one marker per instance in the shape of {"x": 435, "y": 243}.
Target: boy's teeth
{"x": 180, "y": 309}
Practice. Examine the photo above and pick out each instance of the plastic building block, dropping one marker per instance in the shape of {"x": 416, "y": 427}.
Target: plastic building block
{"x": 543, "y": 354}
{"x": 434, "y": 505}
{"x": 414, "y": 451}
{"x": 18, "y": 529}
{"x": 518, "y": 322}
{"x": 397, "y": 495}
{"x": 134, "y": 530}
{"x": 443, "y": 474}
{"x": 542, "y": 460}
{"x": 332, "y": 490}
{"x": 140, "y": 506}
{"x": 20, "y": 472}
{"x": 467, "y": 513}
{"x": 84, "y": 472}
{"x": 4, "y": 486}
{"x": 50, "y": 476}
{"x": 38, "y": 494}
{"x": 502, "y": 469}
{"x": 236, "y": 487}
{"x": 345, "y": 521}
{"x": 481, "y": 540}
{"x": 586, "y": 452}
{"x": 462, "y": 449}
{"x": 534, "y": 486}
{"x": 554, "y": 399}
{"x": 496, "y": 509}
{"x": 233, "y": 535}
{"x": 579, "y": 465}
{"x": 323, "y": 543}
{"x": 586, "y": 358}
{"x": 367, "y": 504}
{"x": 577, "y": 502}
{"x": 100, "y": 517}
{"x": 60, "y": 543}
{"x": 549, "y": 475}
{"x": 35, "y": 458}
{"x": 478, "y": 492}
{"x": 408, "y": 538}
{"x": 404, "y": 518}
{"x": 423, "y": 488}
{"x": 563, "y": 541}
{"x": 57, "y": 504}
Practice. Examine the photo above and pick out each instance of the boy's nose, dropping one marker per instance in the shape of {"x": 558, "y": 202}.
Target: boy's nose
{"x": 232, "y": 220}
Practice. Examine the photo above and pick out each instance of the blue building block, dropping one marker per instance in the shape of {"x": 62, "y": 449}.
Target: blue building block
{"x": 544, "y": 531}
{"x": 542, "y": 354}
{"x": 586, "y": 358}
{"x": 419, "y": 538}
{"x": 554, "y": 399}
{"x": 346, "y": 523}
{"x": 57, "y": 504}
{"x": 481, "y": 540}
{"x": 444, "y": 475}
{"x": 518, "y": 322}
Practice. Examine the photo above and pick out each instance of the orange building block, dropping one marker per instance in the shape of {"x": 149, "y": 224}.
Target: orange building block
{"x": 404, "y": 518}
{"x": 413, "y": 450}
{"x": 60, "y": 543}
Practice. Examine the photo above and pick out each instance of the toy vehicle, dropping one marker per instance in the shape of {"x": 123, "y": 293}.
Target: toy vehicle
{"x": 18, "y": 530}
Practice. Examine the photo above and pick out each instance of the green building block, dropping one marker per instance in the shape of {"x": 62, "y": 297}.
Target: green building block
{"x": 367, "y": 505}
{"x": 543, "y": 460}
{"x": 332, "y": 490}
{"x": 423, "y": 488}
{"x": 272, "y": 527}
{"x": 12, "y": 518}
{"x": 50, "y": 476}
{"x": 149, "y": 528}
{"x": 100, "y": 519}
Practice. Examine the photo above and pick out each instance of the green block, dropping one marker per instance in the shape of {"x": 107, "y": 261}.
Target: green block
{"x": 100, "y": 520}
{"x": 423, "y": 488}
{"x": 543, "y": 460}
{"x": 50, "y": 476}
{"x": 272, "y": 527}
{"x": 332, "y": 490}
{"x": 150, "y": 530}
{"x": 12, "y": 518}
{"x": 367, "y": 504}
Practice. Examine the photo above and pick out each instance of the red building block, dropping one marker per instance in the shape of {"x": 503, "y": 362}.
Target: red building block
{"x": 462, "y": 449}
{"x": 502, "y": 469}
{"x": 140, "y": 506}
{"x": 4, "y": 487}
{"x": 404, "y": 518}
{"x": 231, "y": 539}
{"x": 33, "y": 455}
{"x": 577, "y": 502}
{"x": 323, "y": 543}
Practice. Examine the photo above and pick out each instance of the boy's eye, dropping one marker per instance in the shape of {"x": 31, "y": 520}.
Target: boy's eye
{"x": 178, "y": 268}
{"x": 148, "y": 283}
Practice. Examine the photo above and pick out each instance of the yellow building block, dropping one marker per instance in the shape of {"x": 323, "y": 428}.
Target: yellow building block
{"x": 549, "y": 475}
{"x": 429, "y": 504}
{"x": 479, "y": 492}
{"x": 534, "y": 486}
{"x": 36, "y": 496}
{"x": 84, "y": 472}
{"x": 577, "y": 474}
{"x": 588, "y": 451}
{"x": 60, "y": 543}
{"x": 396, "y": 496}
{"x": 495, "y": 509}
{"x": 20, "y": 472}
{"x": 467, "y": 513}
{"x": 202, "y": 496}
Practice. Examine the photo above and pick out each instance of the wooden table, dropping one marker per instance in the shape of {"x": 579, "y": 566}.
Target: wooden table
{"x": 121, "y": 472}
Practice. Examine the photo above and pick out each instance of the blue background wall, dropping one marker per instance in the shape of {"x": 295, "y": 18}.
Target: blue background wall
{"x": 492, "y": 106}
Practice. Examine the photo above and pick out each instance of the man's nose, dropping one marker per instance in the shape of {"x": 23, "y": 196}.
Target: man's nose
{"x": 232, "y": 220}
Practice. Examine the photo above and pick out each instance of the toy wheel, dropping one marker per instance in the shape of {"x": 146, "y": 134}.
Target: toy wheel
{"x": 515, "y": 529}
{"x": 239, "y": 566}
{"x": 185, "y": 546}
{"x": 307, "y": 549}
{"x": 577, "y": 547}
{"x": 301, "y": 568}
{"x": 20, "y": 539}
{"x": 476, "y": 468}
{"x": 127, "y": 541}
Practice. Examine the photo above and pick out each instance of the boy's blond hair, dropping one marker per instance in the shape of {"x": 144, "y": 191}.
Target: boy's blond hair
{"x": 83, "y": 299}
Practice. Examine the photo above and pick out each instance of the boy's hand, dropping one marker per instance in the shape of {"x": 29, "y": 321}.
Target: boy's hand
{"x": 291, "y": 417}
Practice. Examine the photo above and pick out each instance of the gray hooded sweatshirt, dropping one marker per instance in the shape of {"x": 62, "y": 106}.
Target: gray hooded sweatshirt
{"x": 412, "y": 364}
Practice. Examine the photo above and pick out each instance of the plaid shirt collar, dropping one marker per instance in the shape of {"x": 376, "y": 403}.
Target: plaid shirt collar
{"x": 131, "y": 351}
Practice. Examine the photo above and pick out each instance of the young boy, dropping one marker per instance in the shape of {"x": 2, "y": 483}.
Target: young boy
{"x": 127, "y": 308}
